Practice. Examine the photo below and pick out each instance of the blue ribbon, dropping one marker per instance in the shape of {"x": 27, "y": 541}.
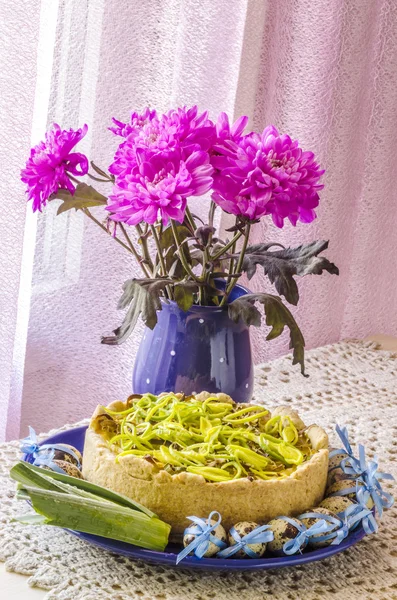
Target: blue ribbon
{"x": 337, "y": 535}
{"x": 30, "y": 445}
{"x": 46, "y": 460}
{"x": 372, "y": 488}
{"x": 344, "y": 437}
{"x": 202, "y": 530}
{"x": 357, "y": 513}
{"x": 259, "y": 535}
{"x": 367, "y": 474}
{"x": 295, "y": 545}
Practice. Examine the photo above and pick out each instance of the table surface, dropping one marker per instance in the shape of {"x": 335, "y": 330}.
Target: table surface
{"x": 14, "y": 586}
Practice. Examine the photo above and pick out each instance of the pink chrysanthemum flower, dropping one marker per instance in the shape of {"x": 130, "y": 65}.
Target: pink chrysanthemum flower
{"x": 267, "y": 174}
{"x": 50, "y": 164}
{"x": 159, "y": 186}
{"x": 181, "y": 130}
{"x": 192, "y": 130}
{"x": 225, "y": 132}
{"x": 137, "y": 121}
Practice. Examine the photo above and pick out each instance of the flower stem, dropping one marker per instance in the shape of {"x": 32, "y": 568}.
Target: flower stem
{"x": 161, "y": 258}
{"x": 211, "y": 213}
{"x": 159, "y": 250}
{"x": 138, "y": 257}
{"x": 190, "y": 219}
{"x": 227, "y": 246}
{"x": 239, "y": 264}
{"x": 88, "y": 214}
{"x": 181, "y": 254}
{"x": 146, "y": 253}
{"x": 232, "y": 261}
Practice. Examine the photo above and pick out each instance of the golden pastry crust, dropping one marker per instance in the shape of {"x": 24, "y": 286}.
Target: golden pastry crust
{"x": 175, "y": 496}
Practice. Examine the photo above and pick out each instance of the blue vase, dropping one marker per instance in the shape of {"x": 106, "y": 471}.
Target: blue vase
{"x": 201, "y": 349}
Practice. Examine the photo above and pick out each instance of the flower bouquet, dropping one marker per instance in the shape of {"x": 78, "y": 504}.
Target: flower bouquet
{"x": 161, "y": 162}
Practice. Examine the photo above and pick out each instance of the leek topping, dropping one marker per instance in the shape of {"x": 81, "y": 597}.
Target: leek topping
{"x": 215, "y": 439}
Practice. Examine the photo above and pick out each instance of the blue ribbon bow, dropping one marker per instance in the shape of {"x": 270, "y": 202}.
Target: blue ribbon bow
{"x": 46, "y": 460}
{"x": 344, "y": 438}
{"x": 337, "y": 528}
{"x": 370, "y": 487}
{"x": 202, "y": 530}
{"x": 357, "y": 513}
{"x": 30, "y": 445}
{"x": 367, "y": 474}
{"x": 295, "y": 545}
{"x": 259, "y": 535}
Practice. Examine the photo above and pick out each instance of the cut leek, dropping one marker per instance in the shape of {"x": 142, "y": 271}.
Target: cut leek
{"x": 29, "y": 475}
{"x": 72, "y": 503}
{"x": 99, "y": 517}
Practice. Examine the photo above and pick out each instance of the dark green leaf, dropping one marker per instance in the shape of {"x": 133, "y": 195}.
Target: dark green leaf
{"x": 101, "y": 172}
{"x": 281, "y": 265}
{"x": 277, "y": 317}
{"x": 243, "y": 308}
{"x": 142, "y": 297}
{"x": 183, "y": 295}
{"x": 85, "y": 196}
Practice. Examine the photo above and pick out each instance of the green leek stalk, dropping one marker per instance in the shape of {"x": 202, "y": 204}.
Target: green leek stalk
{"x": 72, "y": 503}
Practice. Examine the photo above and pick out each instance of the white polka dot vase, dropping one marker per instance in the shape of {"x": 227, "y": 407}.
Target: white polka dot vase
{"x": 200, "y": 349}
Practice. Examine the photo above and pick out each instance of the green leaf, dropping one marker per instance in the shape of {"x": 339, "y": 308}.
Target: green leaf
{"x": 183, "y": 293}
{"x": 85, "y": 196}
{"x": 277, "y": 317}
{"x": 30, "y": 519}
{"x": 101, "y": 172}
{"x": 281, "y": 265}
{"x": 142, "y": 297}
{"x": 30, "y": 476}
{"x": 100, "y": 517}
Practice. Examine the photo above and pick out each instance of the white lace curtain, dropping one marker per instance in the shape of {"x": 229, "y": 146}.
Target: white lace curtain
{"x": 325, "y": 72}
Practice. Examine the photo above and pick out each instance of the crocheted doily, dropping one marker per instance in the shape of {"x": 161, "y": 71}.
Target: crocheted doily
{"x": 352, "y": 383}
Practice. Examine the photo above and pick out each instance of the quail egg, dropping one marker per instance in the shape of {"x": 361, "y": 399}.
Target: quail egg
{"x": 243, "y": 528}
{"x": 283, "y": 532}
{"x": 67, "y": 467}
{"x": 212, "y": 549}
{"x": 345, "y": 484}
{"x": 337, "y": 474}
{"x": 308, "y": 522}
{"x": 337, "y": 459}
{"x": 336, "y": 504}
{"x": 66, "y": 455}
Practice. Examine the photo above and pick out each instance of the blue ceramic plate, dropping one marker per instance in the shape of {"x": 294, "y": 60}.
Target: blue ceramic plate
{"x": 75, "y": 437}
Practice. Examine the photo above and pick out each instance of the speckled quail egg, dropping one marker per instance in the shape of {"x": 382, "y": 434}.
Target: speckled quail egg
{"x": 283, "y": 532}
{"x": 336, "y": 504}
{"x": 337, "y": 459}
{"x": 344, "y": 484}
{"x": 243, "y": 528}
{"x": 337, "y": 474}
{"x": 313, "y": 542}
{"x": 212, "y": 549}
{"x": 67, "y": 467}
{"x": 66, "y": 456}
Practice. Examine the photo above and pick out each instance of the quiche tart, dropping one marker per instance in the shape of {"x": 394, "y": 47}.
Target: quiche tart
{"x": 182, "y": 456}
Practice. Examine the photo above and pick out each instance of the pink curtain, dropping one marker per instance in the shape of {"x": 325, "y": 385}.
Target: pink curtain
{"x": 325, "y": 72}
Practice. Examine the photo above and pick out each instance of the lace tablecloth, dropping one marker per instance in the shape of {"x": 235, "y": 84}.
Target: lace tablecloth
{"x": 352, "y": 383}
